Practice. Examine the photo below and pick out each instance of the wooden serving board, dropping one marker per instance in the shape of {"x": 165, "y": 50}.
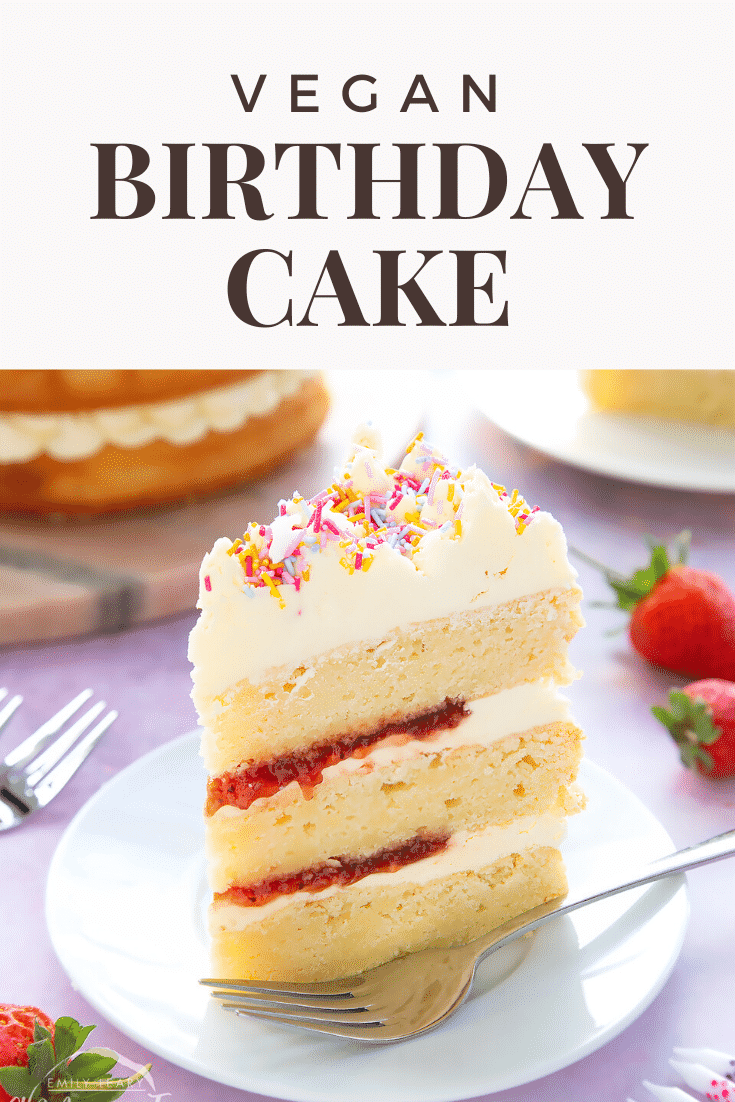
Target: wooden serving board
{"x": 64, "y": 579}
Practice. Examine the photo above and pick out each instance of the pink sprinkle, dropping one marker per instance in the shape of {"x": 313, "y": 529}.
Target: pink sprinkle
{"x": 249, "y": 566}
{"x": 207, "y": 583}
{"x": 283, "y": 510}
{"x": 262, "y": 530}
{"x": 318, "y": 517}
{"x": 297, "y": 583}
{"x": 358, "y": 561}
{"x": 330, "y": 527}
{"x": 432, "y": 486}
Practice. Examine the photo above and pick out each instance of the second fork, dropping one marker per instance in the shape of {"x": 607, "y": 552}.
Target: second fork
{"x": 37, "y": 770}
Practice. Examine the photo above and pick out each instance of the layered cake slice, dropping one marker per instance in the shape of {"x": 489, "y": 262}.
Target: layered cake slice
{"x": 390, "y": 763}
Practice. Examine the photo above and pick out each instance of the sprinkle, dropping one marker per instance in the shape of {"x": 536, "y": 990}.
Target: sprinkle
{"x": 207, "y": 583}
{"x": 432, "y": 486}
{"x": 370, "y": 519}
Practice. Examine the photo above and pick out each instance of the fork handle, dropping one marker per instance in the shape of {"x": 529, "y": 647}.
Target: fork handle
{"x": 703, "y": 853}
{"x": 713, "y": 849}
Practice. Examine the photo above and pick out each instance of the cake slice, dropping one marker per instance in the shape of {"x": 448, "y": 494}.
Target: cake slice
{"x": 706, "y": 397}
{"x": 390, "y": 762}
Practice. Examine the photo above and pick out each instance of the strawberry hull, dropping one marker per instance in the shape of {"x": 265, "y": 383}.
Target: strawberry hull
{"x": 701, "y": 721}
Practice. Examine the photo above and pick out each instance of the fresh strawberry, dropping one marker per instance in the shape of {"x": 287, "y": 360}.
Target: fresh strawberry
{"x": 16, "y": 1034}
{"x": 702, "y": 722}
{"x": 39, "y": 1059}
{"x": 682, "y": 619}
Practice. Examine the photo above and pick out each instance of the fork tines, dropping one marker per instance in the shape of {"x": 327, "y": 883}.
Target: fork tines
{"x": 335, "y": 1006}
{"x": 33, "y": 773}
{"x": 9, "y": 708}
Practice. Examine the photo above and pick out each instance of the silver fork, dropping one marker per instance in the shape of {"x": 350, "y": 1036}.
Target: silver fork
{"x": 416, "y": 993}
{"x": 37, "y": 770}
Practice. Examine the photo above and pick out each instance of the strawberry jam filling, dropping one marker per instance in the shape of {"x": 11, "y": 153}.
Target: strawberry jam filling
{"x": 337, "y": 870}
{"x": 242, "y": 786}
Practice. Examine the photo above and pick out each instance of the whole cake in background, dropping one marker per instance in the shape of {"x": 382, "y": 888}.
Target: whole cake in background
{"x": 85, "y": 442}
{"x": 706, "y": 397}
{"x": 390, "y": 763}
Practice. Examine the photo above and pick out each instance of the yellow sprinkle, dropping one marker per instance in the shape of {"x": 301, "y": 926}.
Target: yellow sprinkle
{"x": 521, "y": 527}
{"x": 271, "y": 585}
{"x": 450, "y": 492}
{"x": 366, "y": 564}
{"x": 458, "y": 527}
{"x": 414, "y": 442}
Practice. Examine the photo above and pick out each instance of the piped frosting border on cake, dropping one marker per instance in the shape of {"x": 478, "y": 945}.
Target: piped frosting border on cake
{"x": 70, "y": 436}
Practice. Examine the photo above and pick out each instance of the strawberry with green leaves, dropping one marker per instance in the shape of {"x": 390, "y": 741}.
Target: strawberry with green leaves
{"x": 701, "y": 720}
{"x": 39, "y": 1060}
{"x": 682, "y": 618}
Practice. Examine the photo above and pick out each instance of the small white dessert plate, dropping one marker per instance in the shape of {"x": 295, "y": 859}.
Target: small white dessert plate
{"x": 125, "y": 907}
{"x": 549, "y": 411}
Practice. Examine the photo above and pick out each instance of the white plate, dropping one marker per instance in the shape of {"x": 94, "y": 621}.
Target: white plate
{"x": 126, "y": 905}
{"x": 549, "y": 411}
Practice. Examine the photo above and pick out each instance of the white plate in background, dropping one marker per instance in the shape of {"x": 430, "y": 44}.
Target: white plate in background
{"x": 549, "y": 411}
{"x": 126, "y": 903}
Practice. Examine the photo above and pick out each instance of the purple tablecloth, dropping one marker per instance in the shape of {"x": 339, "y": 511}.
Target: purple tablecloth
{"x": 144, "y": 673}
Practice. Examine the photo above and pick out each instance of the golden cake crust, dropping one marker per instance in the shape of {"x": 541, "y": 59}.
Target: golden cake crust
{"x": 68, "y": 391}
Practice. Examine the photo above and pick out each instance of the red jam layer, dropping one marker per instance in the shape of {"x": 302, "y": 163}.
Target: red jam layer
{"x": 338, "y": 870}
{"x": 241, "y": 787}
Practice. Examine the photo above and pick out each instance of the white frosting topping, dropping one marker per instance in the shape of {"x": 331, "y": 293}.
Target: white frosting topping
{"x": 444, "y": 544}
{"x": 464, "y": 853}
{"x": 24, "y": 436}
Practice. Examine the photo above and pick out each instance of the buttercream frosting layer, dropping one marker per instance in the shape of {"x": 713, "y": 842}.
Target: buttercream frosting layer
{"x": 71, "y": 436}
{"x": 437, "y": 545}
